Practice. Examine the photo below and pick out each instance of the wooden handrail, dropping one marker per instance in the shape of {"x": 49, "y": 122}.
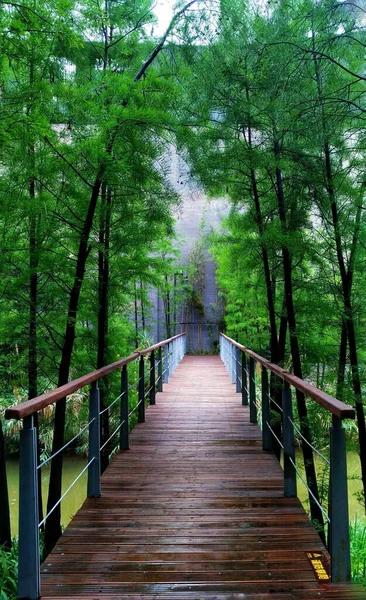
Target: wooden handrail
{"x": 336, "y": 407}
{"x": 25, "y": 409}
{"x": 160, "y": 344}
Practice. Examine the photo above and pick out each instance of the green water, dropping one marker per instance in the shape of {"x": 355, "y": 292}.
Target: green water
{"x": 73, "y": 465}
{"x": 354, "y": 482}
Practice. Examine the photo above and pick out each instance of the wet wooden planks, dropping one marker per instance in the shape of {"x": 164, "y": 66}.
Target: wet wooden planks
{"x": 194, "y": 509}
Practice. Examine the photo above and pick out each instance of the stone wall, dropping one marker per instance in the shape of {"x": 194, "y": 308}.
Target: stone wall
{"x": 201, "y": 315}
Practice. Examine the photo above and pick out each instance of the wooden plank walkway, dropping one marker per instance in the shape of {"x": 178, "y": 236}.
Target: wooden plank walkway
{"x": 194, "y": 510}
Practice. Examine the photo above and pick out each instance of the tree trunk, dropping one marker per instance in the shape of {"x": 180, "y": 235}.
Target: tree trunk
{"x": 342, "y": 360}
{"x": 53, "y": 523}
{"x": 275, "y": 388}
{"x": 136, "y": 317}
{"x": 5, "y": 532}
{"x": 166, "y": 301}
{"x": 142, "y": 306}
{"x": 33, "y": 301}
{"x": 265, "y": 257}
{"x": 347, "y": 280}
{"x": 346, "y": 277}
{"x": 103, "y": 315}
{"x": 311, "y": 479}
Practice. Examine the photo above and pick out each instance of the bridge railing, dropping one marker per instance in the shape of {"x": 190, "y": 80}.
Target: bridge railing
{"x": 241, "y": 365}
{"x": 163, "y": 358}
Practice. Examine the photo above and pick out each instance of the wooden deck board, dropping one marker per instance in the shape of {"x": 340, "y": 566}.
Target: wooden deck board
{"x": 194, "y": 509}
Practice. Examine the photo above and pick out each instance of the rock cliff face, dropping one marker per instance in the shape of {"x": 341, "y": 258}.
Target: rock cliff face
{"x": 201, "y": 313}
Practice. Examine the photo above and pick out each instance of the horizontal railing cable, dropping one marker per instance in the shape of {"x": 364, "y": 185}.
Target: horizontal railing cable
{"x": 325, "y": 514}
{"x": 47, "y": 460}
{"x": 275, "y": 403}
{"x": 308, "y": 443}
{"x": 113, "y": 434}
{"x": 66, "y": 492}
{"x": 135, "y": 407}
{"x": 274, "y": 435}
{"x": 111, "y": 404}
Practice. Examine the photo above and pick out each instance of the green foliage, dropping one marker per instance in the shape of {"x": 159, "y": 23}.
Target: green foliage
{"x": 9, "y": 572}
{"x": 358, "y": 550}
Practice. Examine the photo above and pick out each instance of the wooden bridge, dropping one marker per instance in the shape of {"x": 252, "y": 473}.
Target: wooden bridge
{"x": 195, "y": 509}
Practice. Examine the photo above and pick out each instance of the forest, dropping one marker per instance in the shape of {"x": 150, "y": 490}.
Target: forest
{"x": 266, "y": 104}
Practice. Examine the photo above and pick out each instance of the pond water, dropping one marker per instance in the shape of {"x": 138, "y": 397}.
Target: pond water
{"x": 73, "y": 465}
{"x": 354, "y": 482}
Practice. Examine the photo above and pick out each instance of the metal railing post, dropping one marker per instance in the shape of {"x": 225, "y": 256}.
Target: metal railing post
{"x": 266, "y": 413}
{"x": 141, "y": 394}
{"x": 174, "y": 356}
{"x": 237, "y": 370}
{"x": 94, "y": 489}
{"x": 252, "y": 406}
{"x": 29, "y": 585}
{"x": 166, "y": 363}
{"x": 289, "y": 471}
{"x": 244, "y": 380}
{"x": 339, "y": 541}
{"x": 160, "y": 369}
{"x": 152, "y": 377}
{"x": 170, "y": 358}
{"x": 232, "y": 363}
{"x": 124, "y": 431}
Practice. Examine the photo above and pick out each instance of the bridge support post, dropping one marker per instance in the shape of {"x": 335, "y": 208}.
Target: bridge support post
{"x": 266, "y": 413}
{"x": 237, "y": 370}
{"x": 232, "y": 363}
{"x": 244, "y": 380}
{"x": 29, "y": 585}
{"x": 174, "y": 355}
{"x": 94, "y": 489}
{"x": 166, "y": 364}
{"x": 160, "y": 369}
{"x": 253, "y": 406}
{"x": 170, "y": 358}
{"x": 290, "y": 489}
{"x": 152, "y": 377}
{"x": 124, "y": 431}
{"x": 339, "y": 542}
{"x": 141, "y": 394}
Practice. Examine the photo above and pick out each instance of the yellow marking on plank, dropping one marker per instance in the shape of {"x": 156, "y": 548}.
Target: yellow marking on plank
{"x": 319, "y": 568}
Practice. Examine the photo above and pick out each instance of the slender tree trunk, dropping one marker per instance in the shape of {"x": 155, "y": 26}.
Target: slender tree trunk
{"x": 347, "y": 280}
{"x": 33, "y": 291}
{"x": 275, "y": 384}
{"x": 275, "y": 388}
{"x": 5, "y": 532}
{"x": 342, "y": 360}
{"x": 53, "y": 523}
{"x": 265, "y": 257}
{"x": 136, "y": 317}
{"x": 33, "y": 301}
{"x": 309, "y": 465}
{"x": 143, "y": 321}
{"x": 166, "y": 300}
{"x": 346, "y": 277}
{"x": 103, "y": 293}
